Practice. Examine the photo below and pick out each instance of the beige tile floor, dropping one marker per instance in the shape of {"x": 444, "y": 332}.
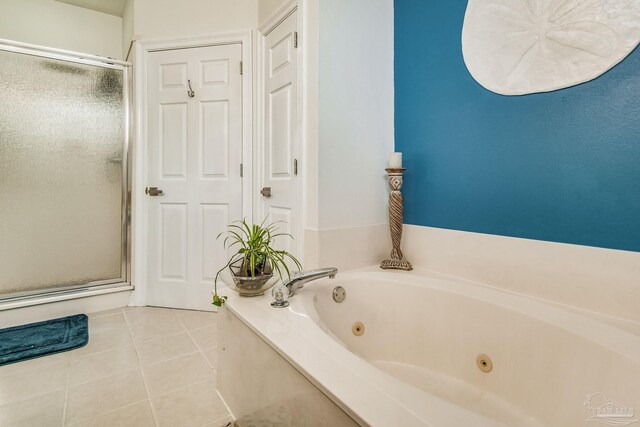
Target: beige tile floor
{"x": 143, "y": 366}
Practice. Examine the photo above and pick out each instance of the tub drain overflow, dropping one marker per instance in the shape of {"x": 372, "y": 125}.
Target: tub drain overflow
{"x": 357, "y": 328}
{"x": 339, "y": 294}
{"x": 484, "y": 363}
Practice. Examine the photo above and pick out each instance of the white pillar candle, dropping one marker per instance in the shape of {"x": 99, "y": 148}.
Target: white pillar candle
{"x": 395, "y": 161}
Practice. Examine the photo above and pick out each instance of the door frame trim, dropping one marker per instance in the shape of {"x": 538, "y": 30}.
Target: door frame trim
{"x": 264, "y": 29}
{"x": 139, "y": 177}
{"x": 277, "y": 17}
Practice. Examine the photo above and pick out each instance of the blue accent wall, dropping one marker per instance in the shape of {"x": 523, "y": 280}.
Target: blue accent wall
{"x": 561, "y": 166}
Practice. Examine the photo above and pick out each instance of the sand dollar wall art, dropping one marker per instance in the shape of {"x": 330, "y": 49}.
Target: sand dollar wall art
{"x": 517, "y": 47}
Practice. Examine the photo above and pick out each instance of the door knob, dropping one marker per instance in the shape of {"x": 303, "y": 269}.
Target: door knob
{"x": 266, "y": 191}
{"x": 152, "y": 191}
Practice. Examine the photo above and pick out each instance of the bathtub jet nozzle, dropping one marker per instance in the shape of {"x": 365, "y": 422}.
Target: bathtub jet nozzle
{"x": 298, "y": 280}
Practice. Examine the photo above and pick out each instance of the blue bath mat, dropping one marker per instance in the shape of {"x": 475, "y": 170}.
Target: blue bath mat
{"x": 42, "y": 338}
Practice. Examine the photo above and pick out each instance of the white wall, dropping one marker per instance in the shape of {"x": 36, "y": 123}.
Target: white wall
{"x": 349, "y": 119}
{"x": 356, "y": 111}
{"x": 127, "y": 27}
{"x": 54, "y": 24}
{"x": 266, "y": 8}
{"x": 169, "y": 18}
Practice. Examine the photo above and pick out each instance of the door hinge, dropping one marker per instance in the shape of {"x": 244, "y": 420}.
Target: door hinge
{"x": 241, "y": 71}
{"x": 295, "y": 39}
{"x": 241, "y": 170}
{"x": 295, "y": 166}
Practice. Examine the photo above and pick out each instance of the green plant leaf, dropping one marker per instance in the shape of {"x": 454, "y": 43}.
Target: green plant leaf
{"x": 218, "y": 300}
{"x": 255, "y": 251}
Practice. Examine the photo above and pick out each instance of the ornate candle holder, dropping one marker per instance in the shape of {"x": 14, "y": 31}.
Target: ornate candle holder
{"x": 395, "y": 221}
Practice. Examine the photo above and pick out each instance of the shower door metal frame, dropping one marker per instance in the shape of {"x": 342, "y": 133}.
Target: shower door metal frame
{"x": 100, "y": 286}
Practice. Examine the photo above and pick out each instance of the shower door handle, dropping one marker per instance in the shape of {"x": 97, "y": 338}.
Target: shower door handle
{"x": 152, "y": 191}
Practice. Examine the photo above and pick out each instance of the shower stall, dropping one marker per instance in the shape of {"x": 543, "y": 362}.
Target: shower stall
{"x": 64, "y": 138}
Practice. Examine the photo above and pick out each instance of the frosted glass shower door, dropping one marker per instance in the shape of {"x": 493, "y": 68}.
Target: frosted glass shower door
{"x": 62, "y": 139}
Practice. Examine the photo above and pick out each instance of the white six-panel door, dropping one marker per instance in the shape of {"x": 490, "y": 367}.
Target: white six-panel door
{"x": 194, "y": 156}
{"x": 280, "y": 148}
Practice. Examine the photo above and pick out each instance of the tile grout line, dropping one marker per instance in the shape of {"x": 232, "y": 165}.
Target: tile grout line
{"x": 125, "y": 327}
{"x": 200, "y": 350}
{"x": 155, "y": 338}
{"x": 99, "y": 314}
{"x": 185, "y": 331}
{"x": 101, "y": 352}
{"x": 182, "y": 387}
{"x": 37, "y": 393}
{"x": 229, "y": 413}
{"x": 215, "y": 370}
{"x": 70, "y": 359}
{"x": 146, "y": 365}
{"x": 66, "y": 389}
{"x": 127, "y": 371}
{"x": 35, "y": 396}
{"x": 109, "y": 412}
{"x": 66, "y": 392}
{"x": 229, "y": 418}
{"x": 224, "y": 402}
{"x": 41, "y": 394}
{"x": 144, "y": 382}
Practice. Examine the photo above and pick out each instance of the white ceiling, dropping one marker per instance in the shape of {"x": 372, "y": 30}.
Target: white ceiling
{"x": 112, "y": 7}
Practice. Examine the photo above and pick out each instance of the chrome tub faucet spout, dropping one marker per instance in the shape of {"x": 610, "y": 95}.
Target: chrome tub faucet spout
{"x": 298, "y": 280}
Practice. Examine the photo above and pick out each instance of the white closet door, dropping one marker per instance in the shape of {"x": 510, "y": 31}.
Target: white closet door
{"x": 194, "y": 156}
{"x": 281, "y": 145}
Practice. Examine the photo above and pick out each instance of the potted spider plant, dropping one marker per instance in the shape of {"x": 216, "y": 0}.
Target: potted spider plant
{"x": 255, "y": 262}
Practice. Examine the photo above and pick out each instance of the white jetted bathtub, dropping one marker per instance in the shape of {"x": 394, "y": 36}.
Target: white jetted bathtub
{"x": 412, "y": 348}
